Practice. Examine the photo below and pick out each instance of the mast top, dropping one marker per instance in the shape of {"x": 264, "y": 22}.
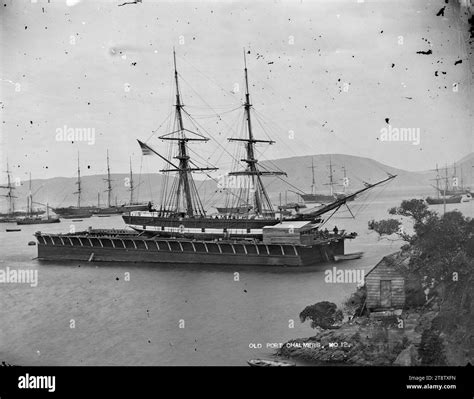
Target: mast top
{"x": 247, "y": 95}
{"x": 174, "y": 61}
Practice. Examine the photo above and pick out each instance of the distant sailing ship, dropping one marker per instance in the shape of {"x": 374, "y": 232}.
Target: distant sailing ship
{"x": 13, "y": 215}
{"x": 118, "y": 209}
{"x": 320, "y": 198}
{"x": 32, "y": 217}
{"x": 458, "y": 187}
{"x": 10, "y": 216}
{"x": 288, "y": 208}
{"x": 446, "y": 195}
{"x": 180, "y": 231}
{"x": 75, "y": 212}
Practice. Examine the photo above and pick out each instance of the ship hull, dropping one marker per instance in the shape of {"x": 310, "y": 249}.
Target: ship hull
{"x": 113, "y": 210}
{"x": 318, "y": 198}
{"x": 74, "y": 212}
{"x": 118, "y": 210}
{"x": 58, "y": 247}
{"x": 440, "y": 201}
{"x": 76, "y": 216}
{"x": 37, "y": 221}
{"x": 324, "y": 199}
{"x": 135, "y": 207}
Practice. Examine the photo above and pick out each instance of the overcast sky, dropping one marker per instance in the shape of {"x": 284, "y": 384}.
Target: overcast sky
{"x": 329, "y": 71}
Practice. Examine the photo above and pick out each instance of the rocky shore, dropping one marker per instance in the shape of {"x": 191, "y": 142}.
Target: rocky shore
{"x": 437, "y": 333}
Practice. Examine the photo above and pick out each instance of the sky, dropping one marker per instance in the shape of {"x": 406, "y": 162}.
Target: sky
{"x": 326, "y": 76}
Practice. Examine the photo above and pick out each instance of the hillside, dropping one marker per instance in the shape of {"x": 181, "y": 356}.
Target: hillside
{"x": 59, "y": 191}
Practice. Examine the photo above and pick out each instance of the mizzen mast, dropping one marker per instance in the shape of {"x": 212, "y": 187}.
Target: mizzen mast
{"x": 261, "y": 200}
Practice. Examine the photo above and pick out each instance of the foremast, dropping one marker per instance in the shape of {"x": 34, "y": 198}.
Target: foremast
{"x": 183, "y": 194}
{"x": 261, "y": 200}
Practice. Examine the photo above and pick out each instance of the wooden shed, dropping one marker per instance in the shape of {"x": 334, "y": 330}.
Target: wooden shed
{"x": 289, "y": 232}
{"x": 385, "y": 284}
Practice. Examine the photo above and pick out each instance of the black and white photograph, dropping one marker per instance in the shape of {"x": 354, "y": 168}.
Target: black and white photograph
{"x": 270, "y": 183}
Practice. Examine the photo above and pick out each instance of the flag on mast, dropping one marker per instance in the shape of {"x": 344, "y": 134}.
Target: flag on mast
{"x": 145, "y": 149}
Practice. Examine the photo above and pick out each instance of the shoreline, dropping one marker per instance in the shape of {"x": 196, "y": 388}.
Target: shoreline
{"x": 402, "y": 337}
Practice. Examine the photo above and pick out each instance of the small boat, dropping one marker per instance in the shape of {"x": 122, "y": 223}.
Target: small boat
{"x": 270, "y": 363}
{"x": 12, "y": 230}
{"x": 354, "y": 255}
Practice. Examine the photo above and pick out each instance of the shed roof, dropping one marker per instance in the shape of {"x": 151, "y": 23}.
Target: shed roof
{"x": 396, "y": 261}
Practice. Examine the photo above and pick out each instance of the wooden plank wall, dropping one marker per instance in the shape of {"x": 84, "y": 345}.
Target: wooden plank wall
{"x": 372, "y": 281}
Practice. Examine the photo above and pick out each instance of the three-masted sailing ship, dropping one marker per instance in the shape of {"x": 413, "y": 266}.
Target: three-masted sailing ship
{"x": 10, "y": 216}
{"x": 79, "y": 211}
{"x": 180, "y": 230}
{"x": 446, "y": 194}
{"x": 118, "y": 209}
{"x": 315, "y": 197}
{"x": 13, "y": 215}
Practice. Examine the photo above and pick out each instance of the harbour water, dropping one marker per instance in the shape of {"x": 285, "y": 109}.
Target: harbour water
{"x": 167, "y": 314}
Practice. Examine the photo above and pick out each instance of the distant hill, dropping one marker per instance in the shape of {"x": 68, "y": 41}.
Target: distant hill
{"x": 59, "y": 191}
{"x": 358, "y": 170}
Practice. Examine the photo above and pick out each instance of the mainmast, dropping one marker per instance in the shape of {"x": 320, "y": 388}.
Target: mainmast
{"x": 78, "y": 182}
{"x": 262, "y": 203}
{"x": 109, "y": 183}
{"x": 331, "y": 179}
{"x": 186, "y": 191}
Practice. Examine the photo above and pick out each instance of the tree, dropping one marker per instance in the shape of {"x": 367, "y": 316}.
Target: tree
{"x": 385, "y": 227}
{"x": 440, "y": 245}
{"x": 322, "y": 314}
{"x": 414, "y": 208}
